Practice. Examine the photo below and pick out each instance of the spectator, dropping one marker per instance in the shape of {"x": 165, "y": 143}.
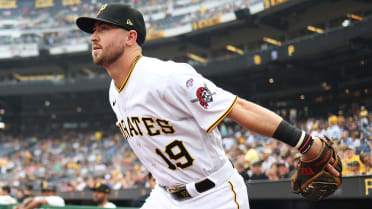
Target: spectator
{"x": 242, "y": 170}
{"x": 283, "y": 170}
{"x": 5, "y": 198}
{"x": 268, "y": 159}
{"x": 229, "y": 142}
{"x": 355, "y": 140}
{"x": 366, "y": 160}
{"x": 257, "y": 171}
{"x": 345, "y": 139}
{"x": 355, "y": 168}
{"x": 251, "y": 155}
{"x": 296, "y": 161}
{"x": 223, "y": 130}
{"x": 333, "y": 131}
{"x": 101, "y": 196}
{"x": 348, "y": 158}
{"x": 81, "y": 184}
{"x": 367, "y": 163}
{"x": 363, "y": 114}
{"x": 272, "y": 173}
{"x": 315, "y": 129}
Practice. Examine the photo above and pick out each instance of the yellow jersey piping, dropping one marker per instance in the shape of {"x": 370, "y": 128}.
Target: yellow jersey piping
{"x": 222, "y": 116}
{"x": 232, "y": 189}
{"x": 129, "y": 74}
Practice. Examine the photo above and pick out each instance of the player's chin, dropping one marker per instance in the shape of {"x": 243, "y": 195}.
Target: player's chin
{"x": 97, "y": 60}
{"x": 95, "y": 53}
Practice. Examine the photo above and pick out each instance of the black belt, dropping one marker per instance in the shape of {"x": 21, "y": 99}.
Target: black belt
{"x": 181, "y": 193}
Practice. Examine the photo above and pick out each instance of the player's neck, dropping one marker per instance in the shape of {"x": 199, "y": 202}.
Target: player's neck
{"x": 102, "y": 203}
{"x": 119, "y": 70}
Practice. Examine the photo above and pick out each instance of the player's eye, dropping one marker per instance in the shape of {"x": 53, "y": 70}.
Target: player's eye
{"x": 105, "y": 27}
{"x": 101, "y": 28}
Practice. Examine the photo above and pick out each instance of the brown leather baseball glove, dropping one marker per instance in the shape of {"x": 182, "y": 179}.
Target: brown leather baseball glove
{"x": 311, "y": 178}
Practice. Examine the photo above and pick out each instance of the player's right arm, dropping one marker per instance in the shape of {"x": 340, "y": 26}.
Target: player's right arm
{"x": 36, "y": 203}
{"x": 25, "y": 202}
{"x": 265, "y": 122}
{"x": 31, "y": 203}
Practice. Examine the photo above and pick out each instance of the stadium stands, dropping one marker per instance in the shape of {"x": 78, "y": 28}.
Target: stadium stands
{"x": 58, "y": 19}
{"x": 77, "y": 159}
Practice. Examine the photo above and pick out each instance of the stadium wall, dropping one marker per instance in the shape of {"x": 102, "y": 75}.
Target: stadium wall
{"x": 357, "y": 187}
{"x": 355, "y": 192}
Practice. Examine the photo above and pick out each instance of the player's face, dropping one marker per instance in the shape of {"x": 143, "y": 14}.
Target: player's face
{"x": 107, "y": 43}
{"x": 99, "y": 197}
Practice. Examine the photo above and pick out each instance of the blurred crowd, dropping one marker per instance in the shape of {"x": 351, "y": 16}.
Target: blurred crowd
{"x": 74, "y": 161}
{"x": 56, "y": 25}
{"x": 258, "y": 157}
{"x": 78, "y": 160}
{"x": 27, "y": 28}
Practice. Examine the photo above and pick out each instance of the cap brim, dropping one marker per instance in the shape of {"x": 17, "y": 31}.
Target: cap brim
{"x": 97, "y": 190}
{"x": 86, "y": 24}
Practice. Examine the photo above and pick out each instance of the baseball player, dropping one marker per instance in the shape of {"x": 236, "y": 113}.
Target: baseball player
{"x": 5, "y": 198}
{"x": 48, "y": 197}
{"x": 101, "y": 196}
{"x": 168, "y": 113}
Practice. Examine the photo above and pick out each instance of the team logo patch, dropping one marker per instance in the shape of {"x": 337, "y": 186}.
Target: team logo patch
{"x": 189, "y": 83}
{"x": 129, "y": 22}
{"x": 204, "y": 96}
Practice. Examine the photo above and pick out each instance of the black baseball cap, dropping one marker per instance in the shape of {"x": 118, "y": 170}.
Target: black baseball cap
{"x": 121, "y": 15}
{"x": 102, "y": 188}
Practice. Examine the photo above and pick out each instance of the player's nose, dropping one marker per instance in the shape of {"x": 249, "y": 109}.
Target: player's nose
{"x": 94, "y": 37}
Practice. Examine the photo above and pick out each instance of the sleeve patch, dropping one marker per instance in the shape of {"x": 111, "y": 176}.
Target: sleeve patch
{"x": 204, "y": 96}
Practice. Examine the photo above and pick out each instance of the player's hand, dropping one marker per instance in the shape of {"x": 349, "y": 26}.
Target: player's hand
{"x": 332, "y": 170}
{"x": 319, "y": 173}
{"x": 314, "y": 151}
{"x": 18, "y": 206}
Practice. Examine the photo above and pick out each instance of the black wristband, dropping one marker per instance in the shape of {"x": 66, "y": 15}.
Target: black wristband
{"x": 293, "y": 136}
{"x": 287, "y": 133}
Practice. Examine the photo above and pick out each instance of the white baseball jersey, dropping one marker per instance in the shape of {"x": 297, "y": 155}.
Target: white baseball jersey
{"x": 6, "y": 200}
{"x": 53, "y": 200}
{"x": 168, "y": 114}
{"x": 109, "y": 205}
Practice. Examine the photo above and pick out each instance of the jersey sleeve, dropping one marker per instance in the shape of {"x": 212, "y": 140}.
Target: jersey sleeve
{"x": 199, "y": 97}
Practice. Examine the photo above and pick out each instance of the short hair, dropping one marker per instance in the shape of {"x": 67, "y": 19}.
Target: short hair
{"x": 6, "y": 188}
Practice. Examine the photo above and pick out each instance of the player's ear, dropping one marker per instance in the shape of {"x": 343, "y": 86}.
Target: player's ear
{"x": 132, "y": 37}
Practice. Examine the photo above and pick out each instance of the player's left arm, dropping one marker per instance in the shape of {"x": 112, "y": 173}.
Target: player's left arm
{"x": 255, "y": 117}
{"x": 265, "y": 122}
